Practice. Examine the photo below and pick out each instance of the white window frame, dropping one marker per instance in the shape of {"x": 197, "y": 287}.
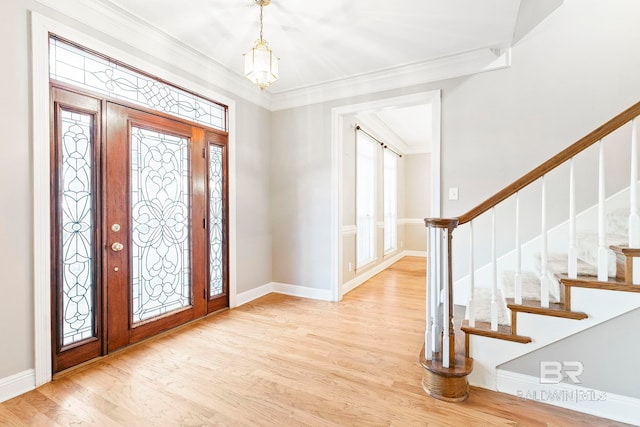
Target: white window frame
{"x": 366, "y": 222}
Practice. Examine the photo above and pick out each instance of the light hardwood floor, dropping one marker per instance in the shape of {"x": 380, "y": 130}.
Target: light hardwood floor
{"x": 280, "y": 361}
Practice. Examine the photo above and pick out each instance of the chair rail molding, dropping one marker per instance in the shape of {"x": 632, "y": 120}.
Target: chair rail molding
{"x": 416, "y": 221}
{"x": 349, "y": 230}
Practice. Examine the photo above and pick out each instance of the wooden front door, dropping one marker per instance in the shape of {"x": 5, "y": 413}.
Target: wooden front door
{"x": 154, "y": 226}
{"x": 140, "y": 207}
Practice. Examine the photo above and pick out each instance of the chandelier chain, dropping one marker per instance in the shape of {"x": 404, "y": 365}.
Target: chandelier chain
{"x": 261, "y": 21}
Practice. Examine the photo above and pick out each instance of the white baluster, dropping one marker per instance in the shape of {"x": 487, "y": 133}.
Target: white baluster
{"x": 634, "y": 218}
{"x": 517, "y": 279}
{"x": 494, "y": 272}
{"x": 603, "y": 264}
{"x": 428, "y": 345}
{"x": 435, "y": 293}
{"x": 544, "y": 276}
{"x": 445, "y": 300}
{"x": 572, "y": 267}
{"x": 471, "y": 309}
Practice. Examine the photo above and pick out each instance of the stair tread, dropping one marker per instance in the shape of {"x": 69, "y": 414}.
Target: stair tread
{"x": 530, "y": 286}
{"x": 554, "y": 309}
{"x": 482, "y": 304}
{"x": 612, "y": 284}
{"x": 625, "y": 250}
{"x": 503, "y": 332}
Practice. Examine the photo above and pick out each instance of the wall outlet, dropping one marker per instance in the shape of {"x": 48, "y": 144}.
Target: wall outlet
{"x": 453, "y": 193}
{"x": 350, "y": 267}
{"x": 401, "y": 244}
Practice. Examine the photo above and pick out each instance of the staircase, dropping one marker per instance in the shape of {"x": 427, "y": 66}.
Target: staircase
{"x": 570, "y": 277}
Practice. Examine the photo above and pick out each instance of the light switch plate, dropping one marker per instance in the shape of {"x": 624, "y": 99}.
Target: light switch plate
{"x": 453, "y": 193}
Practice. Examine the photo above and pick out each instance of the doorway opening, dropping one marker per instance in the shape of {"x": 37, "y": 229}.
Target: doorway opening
{"x": 420, "y": 164}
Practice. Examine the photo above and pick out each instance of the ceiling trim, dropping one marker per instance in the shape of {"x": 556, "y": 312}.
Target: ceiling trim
{"x": 139, "y": 34}
{"x": 122, "y": 26}
{"x": 463, "y": 64}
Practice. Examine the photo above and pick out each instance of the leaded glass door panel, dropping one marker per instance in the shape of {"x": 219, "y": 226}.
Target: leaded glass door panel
{"x": 140, "y": 224}
{"x": 218, "y": 224}
{"x": 76, "y": 296}
{"x": 155, "y": 233}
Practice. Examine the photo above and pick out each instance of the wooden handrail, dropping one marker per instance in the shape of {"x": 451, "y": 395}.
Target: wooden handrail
{"x": 553, "y": 163}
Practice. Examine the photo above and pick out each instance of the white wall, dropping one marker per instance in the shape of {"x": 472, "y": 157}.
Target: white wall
{"x": 565, "y": 81}
{"x": 253, "y": 202}
{"x": 603, "y": 370}
{"x": 417, "y": 203}
{"x": 16, "y": 290}
{"x": 569, "y": 75}
{"x": 417, "y": 178}
{"x": 301, "y": 197}
{"x": 16, "y": 235}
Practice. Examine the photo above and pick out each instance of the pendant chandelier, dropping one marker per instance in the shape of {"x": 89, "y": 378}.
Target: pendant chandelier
{"x": 260, "y": 63}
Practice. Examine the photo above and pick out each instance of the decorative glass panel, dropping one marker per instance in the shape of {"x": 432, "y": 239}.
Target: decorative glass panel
{"x": 216, "y": 222}
{"x": 160, "y": 206}
{"x": 76, "y": 219}
{"x": 78, "y": 67}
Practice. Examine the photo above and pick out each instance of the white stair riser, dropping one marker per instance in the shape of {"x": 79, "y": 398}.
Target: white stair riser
{"x": 600, "y": 305}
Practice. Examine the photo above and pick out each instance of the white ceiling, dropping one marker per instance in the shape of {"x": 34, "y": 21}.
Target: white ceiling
{"x": 329, "y": 44}
{"x": 327, "y": 40}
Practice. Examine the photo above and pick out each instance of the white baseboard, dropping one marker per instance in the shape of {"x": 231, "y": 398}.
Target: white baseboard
{"x": 359, "y": 280}
{"x": 302, "y": 291}
{"x": 17, "y": 384}
{"x": 283, "y": 288}
{"x": 251, "y": 294}
{"x": 570, "y": 396}
{"x": 320, "y": 294}
{"x": 422, "y": 254}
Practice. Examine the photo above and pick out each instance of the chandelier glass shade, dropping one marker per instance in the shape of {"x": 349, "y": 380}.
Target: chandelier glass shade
{"x": 260, "y": 63}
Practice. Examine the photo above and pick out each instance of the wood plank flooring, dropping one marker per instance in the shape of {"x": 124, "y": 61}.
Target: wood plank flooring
{"x": 280, "y": 361}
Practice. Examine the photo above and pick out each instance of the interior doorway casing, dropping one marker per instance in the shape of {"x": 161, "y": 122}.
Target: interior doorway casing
{"x": 337, "y": 154}
{"x": 41, "y": 26}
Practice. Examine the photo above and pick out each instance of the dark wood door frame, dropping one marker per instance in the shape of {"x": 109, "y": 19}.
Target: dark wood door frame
{"x": 78, "y": 352}
{"x": 108, "y": 284}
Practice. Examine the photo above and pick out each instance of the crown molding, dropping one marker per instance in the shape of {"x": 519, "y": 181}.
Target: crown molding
{"x": 139, "y": 34}
{"x": 124, "y": 27}
{"x": 477, "y": 61}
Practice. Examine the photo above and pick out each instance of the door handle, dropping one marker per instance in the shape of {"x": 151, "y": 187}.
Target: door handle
{"x": 117, "y": 246}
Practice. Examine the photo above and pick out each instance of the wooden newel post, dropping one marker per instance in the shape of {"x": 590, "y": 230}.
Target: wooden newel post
{"x": 442, "y": 378}
{"x": 440, "y": 332}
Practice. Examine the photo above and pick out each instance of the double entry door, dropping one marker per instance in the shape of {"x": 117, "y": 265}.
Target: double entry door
{"x": 139, "y": 224}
